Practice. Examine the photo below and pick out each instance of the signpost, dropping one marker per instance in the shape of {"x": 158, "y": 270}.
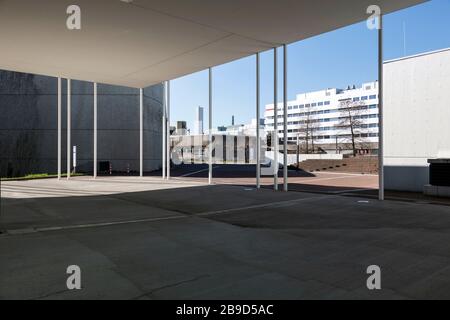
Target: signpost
{"x": 74, "y": 155}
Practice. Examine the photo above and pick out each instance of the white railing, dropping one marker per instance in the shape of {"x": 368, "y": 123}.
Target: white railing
{"x": 292, "y": 158}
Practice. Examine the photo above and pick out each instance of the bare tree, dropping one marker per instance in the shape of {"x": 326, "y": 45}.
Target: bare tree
{"x": 350, "y": 120}
{"x": 307, "y": 129}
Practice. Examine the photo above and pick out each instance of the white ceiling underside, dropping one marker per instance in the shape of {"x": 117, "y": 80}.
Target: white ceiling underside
{"x": 150, "y": 41}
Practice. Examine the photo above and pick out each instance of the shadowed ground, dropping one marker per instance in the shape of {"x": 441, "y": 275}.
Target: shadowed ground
{"x": 149, "y": 239}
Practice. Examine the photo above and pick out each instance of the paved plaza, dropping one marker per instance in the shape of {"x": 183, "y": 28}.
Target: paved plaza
{"x": 145, "y": 238}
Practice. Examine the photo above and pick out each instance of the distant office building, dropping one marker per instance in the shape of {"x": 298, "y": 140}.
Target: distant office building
{"x": 181, "y": 128}
{"x": 416, "y": 118}
{"x": 198, "y": 125}
{"x": 234, "y": 144}
{"x": 317, "y": 118}
{"x": 242, "y": 129}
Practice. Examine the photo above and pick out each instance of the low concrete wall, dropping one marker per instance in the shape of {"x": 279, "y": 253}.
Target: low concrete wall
{"x": 406, "y": 178}
{"x": 436, "y": 191}
{"x": 292, "y": 158}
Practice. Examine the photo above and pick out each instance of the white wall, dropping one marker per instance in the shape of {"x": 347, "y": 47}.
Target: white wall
{"x": 417, "y": 117}
{"x": 292, "y": 158}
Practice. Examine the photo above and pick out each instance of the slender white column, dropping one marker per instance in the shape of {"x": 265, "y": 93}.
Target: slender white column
{"x": 168, "y": 131}
{"x": 210, "y": 148}
{"x": 59, "y": 128}
{"x": 258, "y": 142}
{"x": 164, "y": 135}
{"x": 95, "y": 130}
{"x": 69, "y": 143}
{"x": 380, "y": 112}
{"x": 285, "y": 121}
{"x": 275, "y": 102}
{"x": 141, "y": 133}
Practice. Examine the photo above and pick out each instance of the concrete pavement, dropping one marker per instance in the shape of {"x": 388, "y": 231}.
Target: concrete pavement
{"x": 218, "y": 242}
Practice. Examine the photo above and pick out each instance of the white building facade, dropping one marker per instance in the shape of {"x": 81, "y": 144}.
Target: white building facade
{"x": 323, "y": 110}
{"x": 416, "y": 118}
{"x": 242, "y": 129}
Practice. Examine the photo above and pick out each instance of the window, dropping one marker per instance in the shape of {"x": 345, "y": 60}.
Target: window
{"x": 327, "y": 103}
{"x": 373, "y": 97}
{"x": 356, "y": 99}
{"x": 314, "y": 105}
{"x": 364, "y": 98}
{"x": 320, "y": 104}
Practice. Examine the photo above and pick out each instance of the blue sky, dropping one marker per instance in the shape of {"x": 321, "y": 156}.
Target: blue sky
{"x": 337, "y": 59}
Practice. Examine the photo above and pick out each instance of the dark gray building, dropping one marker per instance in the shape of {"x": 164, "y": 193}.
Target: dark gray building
{"x": 28, "y": 125}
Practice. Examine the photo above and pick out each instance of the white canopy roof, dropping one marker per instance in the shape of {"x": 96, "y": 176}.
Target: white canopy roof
{"x": 144, "y": 42}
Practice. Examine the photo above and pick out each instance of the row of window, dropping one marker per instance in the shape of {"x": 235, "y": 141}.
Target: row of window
{"x": 327, "y": 103}
{"x": 367, "y": 126}
{"x": 365, "y": 116}
{"x": 340, "y": 136}
{"x": 303, "y": 114}
{"x": 364, "y": 98}
{"x": 308, "y": 105}
{"x": 363, "y": 126}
